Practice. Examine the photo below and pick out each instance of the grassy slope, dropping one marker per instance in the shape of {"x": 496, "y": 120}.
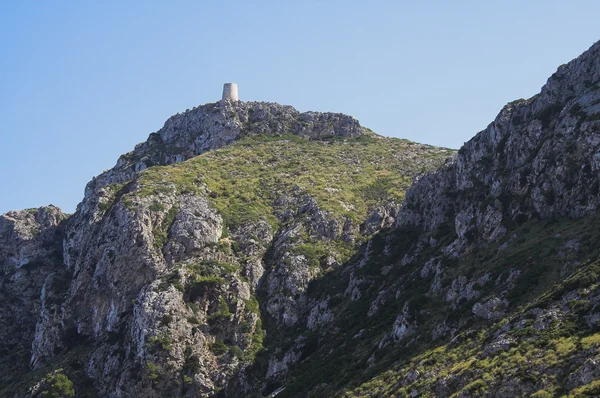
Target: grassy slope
{"x": 346, "y": 176}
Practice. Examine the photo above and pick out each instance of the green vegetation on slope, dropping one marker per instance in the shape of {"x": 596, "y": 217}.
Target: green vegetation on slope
{"x": 66, "y": 369}
{"x": 345, "y": 176}
{"x": 57, "y": 385}
{"x": 552, "y": 278}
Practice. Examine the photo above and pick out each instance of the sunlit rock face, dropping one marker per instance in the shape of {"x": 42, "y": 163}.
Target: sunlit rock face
{"x": 32, "y": 272}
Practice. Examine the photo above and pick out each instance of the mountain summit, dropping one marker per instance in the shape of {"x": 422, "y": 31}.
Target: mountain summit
{"x": 214, "y": 125}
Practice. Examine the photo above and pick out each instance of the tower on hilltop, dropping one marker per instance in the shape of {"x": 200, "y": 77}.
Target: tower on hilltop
{"x": 230, "y": 92}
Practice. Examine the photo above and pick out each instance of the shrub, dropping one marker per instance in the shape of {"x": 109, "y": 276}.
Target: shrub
{"x": 547, "y": 114}
{"x": 252, "y": 305}
{"x": 236, "y": 351}
{"x": 542, "y": 394}
{"x": 156, "y": 207}
{"x": 104, "y": 206}
{"x": 201, "y": 285}
{"x": 218, "y": 348}
{"x": 152, "y": 371}
{"x": 57, "y": 385}
{"x": 222, "y": 312}
{"x": 162, "y": 340}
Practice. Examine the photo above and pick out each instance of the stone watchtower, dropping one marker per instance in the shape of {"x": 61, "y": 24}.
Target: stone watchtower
{"x": 230, "y": 92}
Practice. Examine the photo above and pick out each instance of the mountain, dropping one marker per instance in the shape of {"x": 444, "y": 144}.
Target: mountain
{"x": 247, "y": 249}
{"x": 488, "y": 283}
{"x": 162, "y": 279}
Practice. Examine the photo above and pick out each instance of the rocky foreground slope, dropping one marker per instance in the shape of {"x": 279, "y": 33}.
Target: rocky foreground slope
{"x": 279, "y": 263}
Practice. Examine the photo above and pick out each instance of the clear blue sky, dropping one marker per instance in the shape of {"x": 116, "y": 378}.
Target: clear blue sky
{"x": 82, "y": 82}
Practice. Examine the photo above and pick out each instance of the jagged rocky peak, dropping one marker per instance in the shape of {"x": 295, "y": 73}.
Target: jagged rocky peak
{"x": 214, "y": 125}
{"x": 539, "y": 158}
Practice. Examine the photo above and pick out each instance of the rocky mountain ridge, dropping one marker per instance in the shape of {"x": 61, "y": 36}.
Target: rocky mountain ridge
{"x": 542, "y": 150}
{"x": 281, "y": 264}
{"x": 463, "y": 251}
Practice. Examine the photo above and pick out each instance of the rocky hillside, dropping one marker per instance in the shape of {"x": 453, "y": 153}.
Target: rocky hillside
{"x": 487, "y": 285}
{"x": 165, "y": 278}
{"x": 249, "y": 250}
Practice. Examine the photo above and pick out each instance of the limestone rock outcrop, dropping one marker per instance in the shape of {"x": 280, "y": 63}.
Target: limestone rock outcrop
{"x": 32, "y": 275}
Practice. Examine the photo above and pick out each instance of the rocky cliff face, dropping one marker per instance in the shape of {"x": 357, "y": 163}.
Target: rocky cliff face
{"x": 31, "y": 276}
{"x": 538, "y": 158}
{"x": 249, "y": 250}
